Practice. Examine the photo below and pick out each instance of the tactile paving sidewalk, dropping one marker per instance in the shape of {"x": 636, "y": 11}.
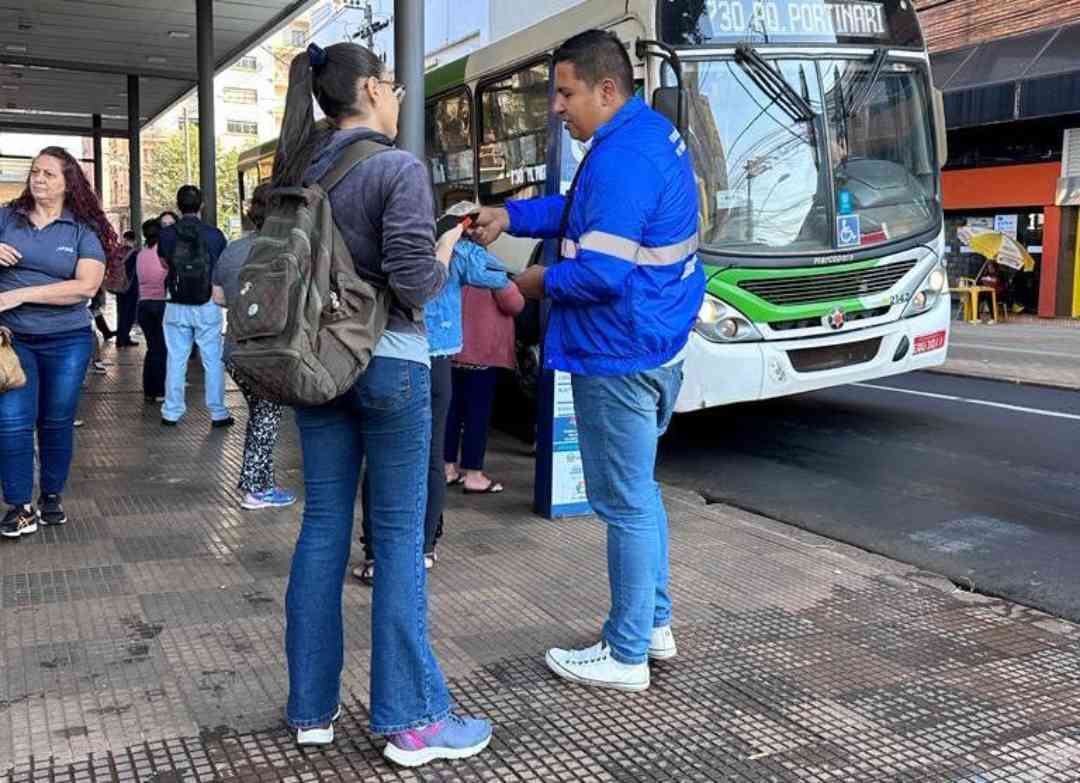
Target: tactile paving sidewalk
{"x": 144, "y": 640}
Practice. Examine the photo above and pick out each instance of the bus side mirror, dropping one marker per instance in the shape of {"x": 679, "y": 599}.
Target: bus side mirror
{"x": 672, "y": 103}
{"x": 941, "y": 139}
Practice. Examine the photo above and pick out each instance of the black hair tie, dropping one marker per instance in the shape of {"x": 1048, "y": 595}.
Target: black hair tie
{"x": 317, "y": 55}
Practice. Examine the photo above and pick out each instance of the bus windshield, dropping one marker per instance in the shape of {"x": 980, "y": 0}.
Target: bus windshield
{"x": 858, "y": 170}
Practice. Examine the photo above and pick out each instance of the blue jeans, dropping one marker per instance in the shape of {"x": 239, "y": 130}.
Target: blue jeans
{"x": 385, "y": 417}
{"x": 187, "y": 325}
{"x": 620, "y": 419}
{"x": 55, "y": 365}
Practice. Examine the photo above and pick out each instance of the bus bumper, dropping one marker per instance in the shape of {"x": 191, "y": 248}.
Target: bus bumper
{"x": 720, "y": 374}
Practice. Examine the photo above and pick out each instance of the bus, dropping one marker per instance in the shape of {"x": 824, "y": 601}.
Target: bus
{"x": 817, "y": 140}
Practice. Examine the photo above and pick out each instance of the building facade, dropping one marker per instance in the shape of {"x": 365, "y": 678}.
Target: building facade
{"x": 1010, "y": 73}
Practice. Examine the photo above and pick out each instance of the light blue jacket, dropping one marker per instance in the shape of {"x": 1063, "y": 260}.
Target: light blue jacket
{"x": 628, "y": 290}
{"x": 470, "y": 265}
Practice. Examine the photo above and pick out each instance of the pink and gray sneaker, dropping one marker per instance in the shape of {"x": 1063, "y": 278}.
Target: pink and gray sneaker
{"x": 451, "y": 738}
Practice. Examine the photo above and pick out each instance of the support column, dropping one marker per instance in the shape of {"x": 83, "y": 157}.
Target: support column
{"x": 1048, "y": 274}
{"x": 409, "y": 70}
{"x": 99, "y": 170}
{"x": 207, "y": 147}
{"x": 134, "y": 156}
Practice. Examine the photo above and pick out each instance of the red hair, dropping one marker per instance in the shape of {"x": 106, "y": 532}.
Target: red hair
{"x": 79, "y": 197}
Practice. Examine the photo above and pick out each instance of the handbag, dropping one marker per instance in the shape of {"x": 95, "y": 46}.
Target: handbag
{"x": 11, "y": 371}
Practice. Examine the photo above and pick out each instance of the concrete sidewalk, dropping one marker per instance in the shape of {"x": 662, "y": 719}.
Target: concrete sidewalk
{"x": 1045, "y": 354}
{"x": 144, "y": 640}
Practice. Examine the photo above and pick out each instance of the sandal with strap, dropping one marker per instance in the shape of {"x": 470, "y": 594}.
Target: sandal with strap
{"x": 493, "y": 488}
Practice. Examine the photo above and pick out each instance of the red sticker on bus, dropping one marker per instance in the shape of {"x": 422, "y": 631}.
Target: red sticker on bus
{"x": 925, "y": 343}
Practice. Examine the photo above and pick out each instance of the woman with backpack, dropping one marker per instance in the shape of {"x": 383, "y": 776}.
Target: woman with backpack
{"x": 54, "y": 239}
{"x": 380, "y": 210}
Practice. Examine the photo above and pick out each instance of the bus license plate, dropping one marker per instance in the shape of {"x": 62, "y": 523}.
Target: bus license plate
{"x": 925, "y": 343}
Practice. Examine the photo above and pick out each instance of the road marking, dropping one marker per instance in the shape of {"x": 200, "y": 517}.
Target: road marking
{"x": 985, "y": 347}
{"x": 971, "y": 401}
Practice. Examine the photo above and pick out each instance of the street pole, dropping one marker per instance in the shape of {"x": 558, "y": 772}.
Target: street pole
{"x": 409, "y": 70}
{"x": 187, "y": 147}
{"x": 204, "y": 33}
{"x": 369, "y": 25}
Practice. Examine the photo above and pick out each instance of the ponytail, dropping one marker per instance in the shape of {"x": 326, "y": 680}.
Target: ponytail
{"x": 330, "y": 76}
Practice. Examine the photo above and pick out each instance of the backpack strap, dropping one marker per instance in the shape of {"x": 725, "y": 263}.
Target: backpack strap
{"x": 353, "y": 155}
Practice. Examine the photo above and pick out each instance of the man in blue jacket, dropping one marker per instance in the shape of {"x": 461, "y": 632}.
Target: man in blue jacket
{"x": 623, "y": 300}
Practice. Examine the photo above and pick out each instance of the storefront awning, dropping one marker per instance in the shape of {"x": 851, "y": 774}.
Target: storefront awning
{"x": 1021, "y": 77}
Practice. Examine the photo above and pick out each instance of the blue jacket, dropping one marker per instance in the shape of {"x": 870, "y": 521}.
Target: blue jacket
{"x": 628, "y": 291}
{"x": 470, "y": 265}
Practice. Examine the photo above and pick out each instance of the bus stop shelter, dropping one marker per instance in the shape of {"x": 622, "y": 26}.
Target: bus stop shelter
{"x": 105, "y": 68}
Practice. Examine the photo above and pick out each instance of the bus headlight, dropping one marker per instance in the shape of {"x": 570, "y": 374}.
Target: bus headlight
{"x": 721, "y": 323}
{"x": 929, "y": 291}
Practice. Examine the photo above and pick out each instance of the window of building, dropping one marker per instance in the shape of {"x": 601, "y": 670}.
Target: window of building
{"x": 242, "y": 127}
{"x": 449, "y": 149}
{"x": 240, "y": 95}
{"x": 247, "y": 64}
{"x": 297, "y": 37}
{"x": 513, "y": 134}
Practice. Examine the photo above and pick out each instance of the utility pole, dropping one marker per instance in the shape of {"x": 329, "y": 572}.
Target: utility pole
{"x": 371, "y": 27}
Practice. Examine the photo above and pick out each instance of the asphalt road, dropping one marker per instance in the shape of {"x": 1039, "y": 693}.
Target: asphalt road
{"x": 919, "y": 468}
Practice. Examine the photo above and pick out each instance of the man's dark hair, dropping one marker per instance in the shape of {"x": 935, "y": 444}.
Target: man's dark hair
{"x": 189, "y": 200}
{"x": 597, "y": 55}
{"x": 260, "y": 205}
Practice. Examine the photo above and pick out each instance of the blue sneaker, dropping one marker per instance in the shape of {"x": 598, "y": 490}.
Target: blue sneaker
{"x": 452, "y": 738}
{"x": 271, "y": 498}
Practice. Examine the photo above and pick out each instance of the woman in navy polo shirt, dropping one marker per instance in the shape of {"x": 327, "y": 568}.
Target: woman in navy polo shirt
{"x": 54, "y": 240}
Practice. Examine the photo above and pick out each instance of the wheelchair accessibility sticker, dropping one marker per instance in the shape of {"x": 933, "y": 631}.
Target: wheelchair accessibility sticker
{"x": 847, "y": 231}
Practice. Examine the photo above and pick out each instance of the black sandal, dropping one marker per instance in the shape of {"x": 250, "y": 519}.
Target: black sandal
{"x": 366, "y": 573}
{"x": 493, "y": 488}
{"x": 455, "y": 481}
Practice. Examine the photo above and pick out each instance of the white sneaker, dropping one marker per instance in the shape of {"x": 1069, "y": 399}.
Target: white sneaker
{"x": 318, "y": 735}
{"x": 595, "y": 666}
{"x": 662, "y": 644}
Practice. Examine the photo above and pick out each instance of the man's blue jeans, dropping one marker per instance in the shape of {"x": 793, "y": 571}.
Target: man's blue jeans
{"x": 55, "y": 365}
{"x": 187, "y": 325}
{"x": 385, "y": 418}
{"x": 620, "y": 419}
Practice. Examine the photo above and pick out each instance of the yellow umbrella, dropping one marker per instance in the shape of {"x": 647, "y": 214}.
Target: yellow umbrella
{"x": 995, "y": 246}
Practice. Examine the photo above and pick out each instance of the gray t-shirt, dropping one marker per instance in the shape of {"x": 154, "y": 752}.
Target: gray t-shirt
{"x": 227, "y": 275}
{"x": 49, "y": 255}
{"x": 227, "y": 270}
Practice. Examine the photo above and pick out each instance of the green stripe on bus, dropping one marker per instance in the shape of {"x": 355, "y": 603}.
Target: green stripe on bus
{"x": 445, "y": 77}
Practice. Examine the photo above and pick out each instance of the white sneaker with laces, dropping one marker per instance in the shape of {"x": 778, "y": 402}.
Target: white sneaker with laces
{"x": 595, "y": 666}
{"x": 318, "y": 735}
{"x": 662, "y": 644}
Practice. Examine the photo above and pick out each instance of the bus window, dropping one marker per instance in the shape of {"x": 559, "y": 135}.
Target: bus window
{"x": 449, "y": 150}
{"x": 514, "y": 131}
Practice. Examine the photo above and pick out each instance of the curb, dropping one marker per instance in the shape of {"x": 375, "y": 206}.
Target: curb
{"x": 1058, "y": 386}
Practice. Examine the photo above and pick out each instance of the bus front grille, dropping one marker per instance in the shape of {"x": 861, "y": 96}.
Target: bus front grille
{"x": 826, "y": 287}
{"x": 832, "y": 357}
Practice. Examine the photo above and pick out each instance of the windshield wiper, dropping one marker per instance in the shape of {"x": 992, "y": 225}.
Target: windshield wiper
{"x": 774, "y": 86}
{"x": 862, "y": 94}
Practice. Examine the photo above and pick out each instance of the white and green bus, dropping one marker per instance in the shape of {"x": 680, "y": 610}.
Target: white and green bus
{"x": 816, "y": 138}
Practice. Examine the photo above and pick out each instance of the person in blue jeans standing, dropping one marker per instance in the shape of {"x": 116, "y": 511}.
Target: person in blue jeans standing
{"x": 382, "y": 209}
{"x": 188, "y": 325}
{"x": 470, "y": 265}
{"x": 54, "y": 239}
{"x": 624, "y": 298}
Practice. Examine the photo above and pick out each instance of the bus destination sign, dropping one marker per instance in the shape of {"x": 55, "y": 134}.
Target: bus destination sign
{"x": 797, "y": 19}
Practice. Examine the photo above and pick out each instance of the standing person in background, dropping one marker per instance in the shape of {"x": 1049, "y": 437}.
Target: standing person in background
{"x": 127, "y": 302}
{"x": 190, "y": 249}
{"x": 624, "y": 298}
{"x": 382, "y": 207}
{"x": 488, "y": 318}
{"x": 257, "y": 470}
{"x": 54, "y": 239}
{"x": 152, "y": 272}
{"x": 168, "y": 218}
{"x": 474, "y": 266}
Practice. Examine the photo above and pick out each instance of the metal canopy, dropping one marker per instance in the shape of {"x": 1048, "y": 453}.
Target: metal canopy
{"x": 63, "y": 61}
